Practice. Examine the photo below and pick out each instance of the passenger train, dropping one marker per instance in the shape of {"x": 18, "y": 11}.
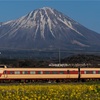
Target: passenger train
{"x": 47, "y": 74}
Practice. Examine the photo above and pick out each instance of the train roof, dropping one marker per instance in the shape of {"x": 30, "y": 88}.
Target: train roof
{"x": 46, "y": 69}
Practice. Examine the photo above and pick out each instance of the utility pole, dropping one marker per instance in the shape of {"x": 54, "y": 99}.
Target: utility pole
{"x": 59, "y": 52}
{"x": 59, "y": 57}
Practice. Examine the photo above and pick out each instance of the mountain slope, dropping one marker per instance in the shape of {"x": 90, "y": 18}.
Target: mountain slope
{"x": 47, "y": 28}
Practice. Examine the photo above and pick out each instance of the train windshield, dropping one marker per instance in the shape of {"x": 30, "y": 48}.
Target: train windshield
{"x": 2, "y": 66}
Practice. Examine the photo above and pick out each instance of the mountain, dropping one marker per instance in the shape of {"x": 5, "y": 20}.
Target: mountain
{"x": 47, "y": 29}
{"x": 0, "y": 23}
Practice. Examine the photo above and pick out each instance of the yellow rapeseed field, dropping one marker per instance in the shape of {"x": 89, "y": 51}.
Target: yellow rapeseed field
{"x": 50, "y": 92}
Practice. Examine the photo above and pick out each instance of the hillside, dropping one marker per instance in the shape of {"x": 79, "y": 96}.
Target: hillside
{"x": 86, "y": 60}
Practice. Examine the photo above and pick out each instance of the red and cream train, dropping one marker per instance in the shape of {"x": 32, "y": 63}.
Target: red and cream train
{"x": 47, "y": 74}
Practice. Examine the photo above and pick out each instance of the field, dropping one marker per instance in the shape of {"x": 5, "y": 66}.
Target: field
{"x": 68, "y": 91}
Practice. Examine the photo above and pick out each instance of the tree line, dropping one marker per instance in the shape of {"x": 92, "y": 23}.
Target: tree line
{"x": 90, "y": 60}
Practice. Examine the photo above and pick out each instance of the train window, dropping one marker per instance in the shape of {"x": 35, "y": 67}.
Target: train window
{"x": 61, "y": 72}
{"x": 98, "y": 72}
{"x": 32, "y": 72}
{"x": 11, "y": 72}
{"x": 17, "y": 72}
{"x": 24, "y": 72}
{"x": 39, "y": 72}
{"x": 86, "y": 72}
{"x": 54, "y": 72}
{"x": 94, "y": 72}
{"x": 68, "y": 72}
{"x": 46, "y": 72}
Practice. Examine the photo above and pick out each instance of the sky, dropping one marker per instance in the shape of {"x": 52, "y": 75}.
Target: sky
{"x": 86, "y": 12}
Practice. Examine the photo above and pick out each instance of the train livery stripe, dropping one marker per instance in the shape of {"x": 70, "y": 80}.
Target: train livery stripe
{"x": 40, "y": 72}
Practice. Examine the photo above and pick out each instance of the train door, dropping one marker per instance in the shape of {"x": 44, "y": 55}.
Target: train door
{"x": 5, "y": 74}
{"x": 68, "y": 74}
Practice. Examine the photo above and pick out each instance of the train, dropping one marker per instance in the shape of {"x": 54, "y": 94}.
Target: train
{"x": 47, "y": 74}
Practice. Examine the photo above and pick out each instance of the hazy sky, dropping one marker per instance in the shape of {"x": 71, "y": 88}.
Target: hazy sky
{"x": 86, "y": 12}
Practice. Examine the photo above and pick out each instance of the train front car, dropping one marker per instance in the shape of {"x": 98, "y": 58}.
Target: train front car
{"x": 2, "y": 72}
{"x": 39, "y": 74}
{"x": 90, "y": 74}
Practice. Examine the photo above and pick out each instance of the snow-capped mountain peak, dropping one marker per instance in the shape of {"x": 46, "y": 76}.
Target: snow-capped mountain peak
{"x": 46, "y": 27}
{"x": 42, "y": 18}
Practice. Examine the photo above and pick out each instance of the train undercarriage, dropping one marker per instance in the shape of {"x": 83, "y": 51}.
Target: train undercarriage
{"x": 48, "y": 80}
